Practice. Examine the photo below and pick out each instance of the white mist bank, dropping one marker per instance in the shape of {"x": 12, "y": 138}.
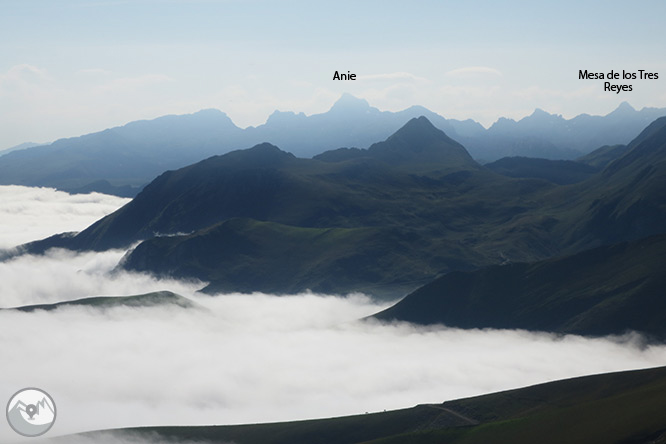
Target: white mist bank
{"x": 253, "y": 358}
{"x": 29, "y": 213}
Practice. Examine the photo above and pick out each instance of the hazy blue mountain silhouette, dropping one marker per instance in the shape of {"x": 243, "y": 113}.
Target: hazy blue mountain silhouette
{"x": 551, "y": 136}
{"x": 129, "y": 155}
{"x": 18, "y": 147}
{"x": 351, "y": 122}
{"x": 123, "y": 159}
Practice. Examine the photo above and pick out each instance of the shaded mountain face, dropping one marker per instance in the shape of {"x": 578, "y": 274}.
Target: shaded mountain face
{"x": 420, "y": 143}
{"x": 626, "y": 200}
{"x": 572, "y": 410}
{"x": 607, "y": 290}
{"x": 601, "y": 157}
{"x": 122, "y": 160}
{"x": 417, "y": 146}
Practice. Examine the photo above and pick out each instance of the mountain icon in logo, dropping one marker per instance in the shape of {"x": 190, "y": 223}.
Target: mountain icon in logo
{"x": 31, "y": 412}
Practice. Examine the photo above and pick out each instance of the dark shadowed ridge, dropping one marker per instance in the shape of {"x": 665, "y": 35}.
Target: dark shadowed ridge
{"x": 623, "y": 407}
{"x": 603, "y": 291}
{"x": 419, "y": 142}
{"x": 601, "y": 157}
{"x": 240, "y": 183}
{"x": 418, "y": 146}
{"x": 623, "y": 202}
{"x": 647, "y": 148}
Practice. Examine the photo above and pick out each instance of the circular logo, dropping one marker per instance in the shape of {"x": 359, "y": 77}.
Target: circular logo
{"x": 31, "y": 412}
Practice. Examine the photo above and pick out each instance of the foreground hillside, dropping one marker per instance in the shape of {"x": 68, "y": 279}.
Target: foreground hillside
{"x": 625, "y": 407}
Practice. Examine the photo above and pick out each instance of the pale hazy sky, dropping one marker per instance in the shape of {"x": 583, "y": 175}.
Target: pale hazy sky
{"x": 76, "y": 66}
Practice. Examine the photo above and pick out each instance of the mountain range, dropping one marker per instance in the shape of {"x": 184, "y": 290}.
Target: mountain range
{"x": 21, "y": 146}
{"x": 384, "y": 221}
{"x": 391, "y": 218}
{"x": 122, "y": 160}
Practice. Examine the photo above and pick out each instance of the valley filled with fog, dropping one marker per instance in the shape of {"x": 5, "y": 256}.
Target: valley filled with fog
{"x": 239, "y": 358}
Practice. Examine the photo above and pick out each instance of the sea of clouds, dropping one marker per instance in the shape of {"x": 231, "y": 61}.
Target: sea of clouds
{"x": 244, "y": 358}
{"x": 29, "y": 213}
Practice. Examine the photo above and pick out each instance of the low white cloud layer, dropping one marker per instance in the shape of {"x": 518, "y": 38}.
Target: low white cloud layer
{"x": 253, "y": 358}
{"x": 62, "y": 275}
{"x": 250, "y": 358}
{"x": 28, "y": 213}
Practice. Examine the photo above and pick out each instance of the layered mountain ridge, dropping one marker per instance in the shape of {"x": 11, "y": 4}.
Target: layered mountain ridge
{"x": 121, "y": 160}
{"x": 385, "y": 220}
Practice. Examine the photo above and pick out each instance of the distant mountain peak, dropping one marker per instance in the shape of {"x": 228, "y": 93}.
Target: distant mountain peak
{"x": 206, "y": 117}
{"x": 542, "y": 115}
{"x": 419, "y": 141}
{"x": 266, "y": 147}
{"x": 347, "y": 102}
{"x": 419, "y": 128}
{"x": 261, "y": 155}
{"x": 280, "y": 117}
{"x": 210, "y": 112}
{"x": 623, "y": 108}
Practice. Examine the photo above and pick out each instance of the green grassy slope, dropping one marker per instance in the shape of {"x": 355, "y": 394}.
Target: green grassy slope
{"x": 561, "y": 172}
{"x": 604, "y": 155}
{"x": 624, "y": 407}
{"x": 247, "y": 255}
{"x": 623, "y": 202}
{"x": 607, "y": 290}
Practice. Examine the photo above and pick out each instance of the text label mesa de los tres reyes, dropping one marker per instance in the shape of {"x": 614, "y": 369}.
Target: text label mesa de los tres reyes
{"x": 641, "y": 74}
